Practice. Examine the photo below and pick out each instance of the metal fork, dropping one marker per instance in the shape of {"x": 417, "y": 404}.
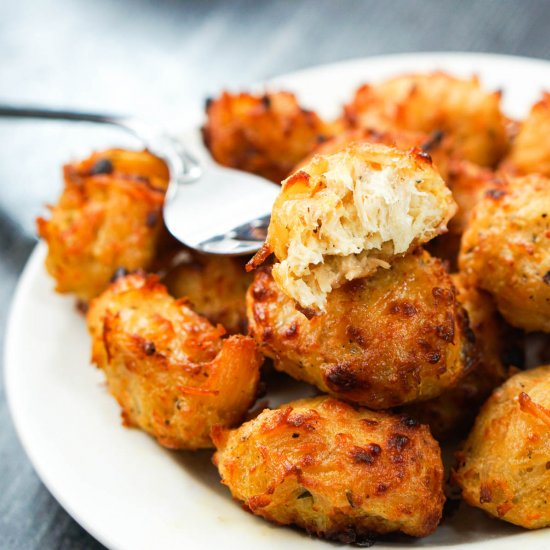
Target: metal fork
{"x": 207, "y": 207}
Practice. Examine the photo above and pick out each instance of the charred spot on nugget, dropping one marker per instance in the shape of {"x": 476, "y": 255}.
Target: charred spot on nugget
{"x": 172, "y": 372}
{"x": 352, "y": 473}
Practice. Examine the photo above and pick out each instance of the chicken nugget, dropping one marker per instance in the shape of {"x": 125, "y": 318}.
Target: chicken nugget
{"x": 264, "y": 134}
{"x": 506, "y": 250}
{"x": 504, "y": 466}
{"x": 343, "y": 216}
{"x": 169, "y": 369}
{"x": 468, "y": 115}
{"x": 397, "y": 337}
{"x": 340, "y": 473}
{"x": 109, "y": 216}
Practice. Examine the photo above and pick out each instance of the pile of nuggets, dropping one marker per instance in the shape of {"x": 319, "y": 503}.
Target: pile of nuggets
{"x": 407, "y": 256}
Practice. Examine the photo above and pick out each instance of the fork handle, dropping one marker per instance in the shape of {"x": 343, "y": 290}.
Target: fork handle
{"x": 181, "y": 162}
{"x": 20, "y": 111}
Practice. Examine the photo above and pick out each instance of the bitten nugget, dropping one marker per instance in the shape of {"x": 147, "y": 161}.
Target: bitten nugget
{"x": 530, "y": 150}
{"x": 264, "y": 134}
{"x": 109, "y": 216}
{"x": 343, "y": 216}
{"x": 215, "y": 287}
{"x": 338, "y": 472}
{"x": 168, "y": 368}
{"x": 497, "y": 347}
{"x": 397, "y": 337}
{"x": 504, "y": 466}
{"x": 506, "y": 250}
{"x": 468, "y": 115}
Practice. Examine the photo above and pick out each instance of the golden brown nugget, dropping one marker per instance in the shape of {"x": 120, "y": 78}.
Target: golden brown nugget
{"x": 530, "y": 152}
{"x": 264, "y": 134}
{"x": 340, "y": 473}
{"x": 109, "y": 216}
{"x": 506, "y": 250}
{"x": 343, "y": 216}
{"x": 169, "y": 369}
{"x": 497, "y": 347}
{"x": 215, "y": 287}
{"x": 469, "y": 116}
{"x": 397, "y": 337}
{"x": 504, "y": 466}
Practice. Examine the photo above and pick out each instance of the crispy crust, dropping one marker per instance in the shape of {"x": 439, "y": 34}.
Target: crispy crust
{"x": 109, "y": 216}
{"x": 338, "y": 472}
{"x": 168, "y": 368}
{"x": 506, "y": 250}
{"x": 504, "y": 465}
{"x": 351, "y": 350}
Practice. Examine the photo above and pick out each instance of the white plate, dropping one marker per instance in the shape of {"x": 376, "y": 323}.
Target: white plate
{"x": 119, "y": 484}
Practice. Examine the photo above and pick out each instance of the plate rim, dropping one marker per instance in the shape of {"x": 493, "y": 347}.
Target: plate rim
{"x": 429, "y": 55}
{"x": 32, "y": 264}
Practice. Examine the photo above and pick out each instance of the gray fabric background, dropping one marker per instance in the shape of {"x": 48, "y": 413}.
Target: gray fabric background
{"x": 161, "y": 59}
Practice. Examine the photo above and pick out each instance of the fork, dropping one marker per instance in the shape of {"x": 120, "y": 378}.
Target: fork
{"x": 209, "y": 208}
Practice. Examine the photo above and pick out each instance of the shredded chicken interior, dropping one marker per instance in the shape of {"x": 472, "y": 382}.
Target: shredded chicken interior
{"x": 365, "y": 205}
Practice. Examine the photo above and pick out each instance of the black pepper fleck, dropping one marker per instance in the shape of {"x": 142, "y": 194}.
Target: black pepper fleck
{"x": 149, "y": 348}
